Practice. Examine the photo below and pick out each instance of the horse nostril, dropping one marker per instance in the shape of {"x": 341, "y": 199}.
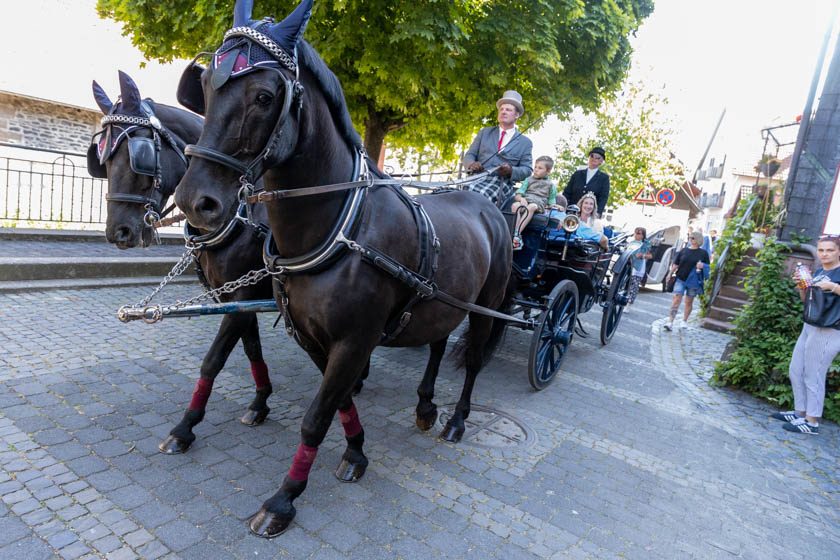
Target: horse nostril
{"x": 122, "y": 234}
{"x": 207, "y": 206}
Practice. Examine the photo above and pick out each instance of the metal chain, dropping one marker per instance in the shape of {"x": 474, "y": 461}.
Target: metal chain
{"x": 177, "y": 270}
{"x": 248, "y": 279}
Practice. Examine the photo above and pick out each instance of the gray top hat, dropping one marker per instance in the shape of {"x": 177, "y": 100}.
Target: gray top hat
{"x": 512, "y": 97}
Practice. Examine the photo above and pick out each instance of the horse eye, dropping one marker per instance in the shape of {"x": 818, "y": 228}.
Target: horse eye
{"x": 264, "y": 98}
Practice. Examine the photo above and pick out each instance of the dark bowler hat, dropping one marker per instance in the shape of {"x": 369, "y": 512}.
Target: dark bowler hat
{"x": 599, "y": 151}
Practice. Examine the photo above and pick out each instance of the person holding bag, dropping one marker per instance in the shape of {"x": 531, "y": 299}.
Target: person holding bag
{"x": 690, "y": 260}
{"x": 818, "y": 343}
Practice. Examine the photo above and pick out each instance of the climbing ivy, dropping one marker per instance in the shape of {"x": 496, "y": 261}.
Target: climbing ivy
{"x": 766, "y": 331}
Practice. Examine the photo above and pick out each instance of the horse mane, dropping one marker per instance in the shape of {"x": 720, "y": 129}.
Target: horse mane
{"x": 331, "y": 88}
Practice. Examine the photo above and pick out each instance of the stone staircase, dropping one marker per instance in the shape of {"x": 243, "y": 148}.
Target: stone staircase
{"x": 48, "y": 259}
{"x": 731, "y": 299}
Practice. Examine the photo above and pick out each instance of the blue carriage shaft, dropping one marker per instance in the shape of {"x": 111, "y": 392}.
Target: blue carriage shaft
{"x": 154, "y": 313}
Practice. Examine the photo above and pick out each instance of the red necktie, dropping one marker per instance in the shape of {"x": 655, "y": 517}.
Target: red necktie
{"x": 501, "y": 139}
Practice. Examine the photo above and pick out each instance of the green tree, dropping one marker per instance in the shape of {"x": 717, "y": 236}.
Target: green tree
{"x": 636, "y": 134}
{"x": 426, "y": 73}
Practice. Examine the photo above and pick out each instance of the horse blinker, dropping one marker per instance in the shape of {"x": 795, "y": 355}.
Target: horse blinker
{"x": 190, "y": 93}
{"x": 142, "y": 155}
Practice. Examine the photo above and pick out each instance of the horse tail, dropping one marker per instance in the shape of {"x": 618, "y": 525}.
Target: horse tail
{"x": 466, "y": 351}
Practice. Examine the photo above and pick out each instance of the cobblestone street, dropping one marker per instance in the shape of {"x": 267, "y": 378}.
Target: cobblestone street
{"x": 628, "y": 454}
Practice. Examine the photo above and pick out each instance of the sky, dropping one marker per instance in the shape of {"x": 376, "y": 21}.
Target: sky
{"x": 755, "y": 58}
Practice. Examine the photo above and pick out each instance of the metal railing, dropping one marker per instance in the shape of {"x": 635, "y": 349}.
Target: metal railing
{"x": 55, "y": 189}
{"x": 717, "y": 281}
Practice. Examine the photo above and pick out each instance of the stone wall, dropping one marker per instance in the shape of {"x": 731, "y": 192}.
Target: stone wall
{"x": 37, "y": 123}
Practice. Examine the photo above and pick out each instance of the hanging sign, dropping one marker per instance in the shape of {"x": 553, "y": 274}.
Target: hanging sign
{"x": 644, "y": 196}
{"x": 666, "y": 196}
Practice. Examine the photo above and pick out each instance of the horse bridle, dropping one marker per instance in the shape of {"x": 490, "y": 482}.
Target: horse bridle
{"x": 292, "y": 93}
{"x": 144, "y": 158}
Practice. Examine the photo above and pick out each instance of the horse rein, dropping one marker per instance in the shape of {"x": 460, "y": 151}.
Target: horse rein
{"x": 280, "y": 194}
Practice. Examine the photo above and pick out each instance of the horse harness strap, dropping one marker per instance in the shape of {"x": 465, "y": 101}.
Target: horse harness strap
{"x": 280, "y": 194}
{"x": 422, "y": 282}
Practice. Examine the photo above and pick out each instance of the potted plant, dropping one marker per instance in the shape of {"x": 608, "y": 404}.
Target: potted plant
{"x": 768, "y": 165}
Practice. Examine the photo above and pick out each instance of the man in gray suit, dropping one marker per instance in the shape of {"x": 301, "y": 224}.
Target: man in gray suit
{"x": 503, "y": 146}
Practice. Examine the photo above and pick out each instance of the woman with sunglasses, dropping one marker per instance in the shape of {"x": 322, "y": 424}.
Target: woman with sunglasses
{"x": 815, "y": 349}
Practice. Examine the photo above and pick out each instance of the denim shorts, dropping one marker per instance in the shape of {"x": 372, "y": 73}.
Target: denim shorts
{"x": 680, "y": 288}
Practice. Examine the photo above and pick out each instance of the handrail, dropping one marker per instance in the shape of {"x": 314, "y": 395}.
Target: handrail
{"x": 724, "y": 255}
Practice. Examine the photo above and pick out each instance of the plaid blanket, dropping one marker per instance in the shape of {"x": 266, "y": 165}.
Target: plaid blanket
{"x": 496, "y": 188}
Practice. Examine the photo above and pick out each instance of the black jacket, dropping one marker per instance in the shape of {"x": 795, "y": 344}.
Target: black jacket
{"x": 599, "y": 185}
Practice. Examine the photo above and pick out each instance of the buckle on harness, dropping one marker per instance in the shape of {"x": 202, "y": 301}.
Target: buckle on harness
{"x": 406, "y": 317}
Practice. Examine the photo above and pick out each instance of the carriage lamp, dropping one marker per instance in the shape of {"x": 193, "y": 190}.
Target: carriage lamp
{"x": 571, "y": 223}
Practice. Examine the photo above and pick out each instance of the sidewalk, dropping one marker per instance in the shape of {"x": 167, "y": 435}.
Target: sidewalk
{"x": 628, "y": 454}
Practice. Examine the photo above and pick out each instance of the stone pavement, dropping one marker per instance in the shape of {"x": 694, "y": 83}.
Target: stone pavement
{"x": 629, "y": 454}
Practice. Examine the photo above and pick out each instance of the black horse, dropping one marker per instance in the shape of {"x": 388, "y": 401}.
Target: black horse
{"x": 273, "y": 107}
{"x": 140, "y": 151}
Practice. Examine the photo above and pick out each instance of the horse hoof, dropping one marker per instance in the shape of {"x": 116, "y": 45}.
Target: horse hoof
{"x": 425, "y": 423}
{"x": 174, "y": 445}
{"x": 254, "y": 417}
{"x": 350, "y": 472}
{"x": 452, "y": 434}
{"x": 268, "y": 525}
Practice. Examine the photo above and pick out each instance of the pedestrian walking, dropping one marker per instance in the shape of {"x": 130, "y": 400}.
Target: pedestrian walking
{"x": 690, "y": 275}
{"x": 639, "y": 262}
{"x": 818, "y": 343}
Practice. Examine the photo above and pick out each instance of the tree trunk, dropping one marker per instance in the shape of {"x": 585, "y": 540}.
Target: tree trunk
{"x": 375, "y": 131}
{"x": 377, "y": 126}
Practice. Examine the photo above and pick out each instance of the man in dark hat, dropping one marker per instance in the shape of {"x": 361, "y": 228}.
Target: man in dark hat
{"x": 500, "y": 146}
{"x": 590, "y": 179}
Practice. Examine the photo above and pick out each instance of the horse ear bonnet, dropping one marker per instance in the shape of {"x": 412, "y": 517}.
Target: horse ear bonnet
{"x": 102, "y": 100}
{"x": 96, "y": 167}
{"x": 237, "y": 56}
{"x": 132, "y": 102}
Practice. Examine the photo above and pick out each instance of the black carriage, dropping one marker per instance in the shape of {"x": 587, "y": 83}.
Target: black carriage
{"x": 561, "y": 275}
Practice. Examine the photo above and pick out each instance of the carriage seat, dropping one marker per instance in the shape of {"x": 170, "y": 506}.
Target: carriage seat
{"x": 544, "y": 220}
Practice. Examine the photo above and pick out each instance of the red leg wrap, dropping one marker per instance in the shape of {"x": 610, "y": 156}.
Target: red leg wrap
{"x": 203, "y": 387}
{"x": 259, "y": 371}
{"x": 302, "y": 462}
{"x": 350, "y": 420}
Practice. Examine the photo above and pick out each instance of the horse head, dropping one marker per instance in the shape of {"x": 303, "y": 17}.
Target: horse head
{"x": 140, "y": 151}
{"x": 263, "y": 111}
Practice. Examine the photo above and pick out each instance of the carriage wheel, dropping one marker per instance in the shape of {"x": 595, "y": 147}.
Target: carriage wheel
{"x": 553, "y": 334}
{"x": 616, "y": 300}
